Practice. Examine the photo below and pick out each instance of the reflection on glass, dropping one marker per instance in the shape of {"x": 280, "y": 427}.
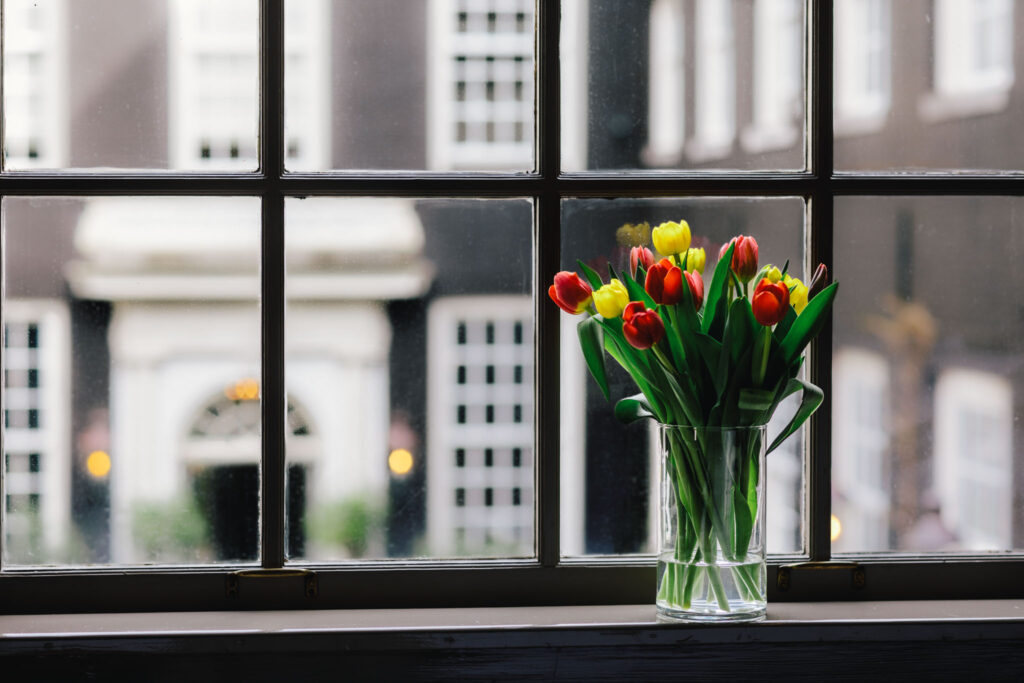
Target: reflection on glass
{"x": 131, "y": 404}
{"x": 926, "y": 374}
{"x": 682, "y": 84}
{"x": 409, "y": 344}
{"x": 926, "y": 86}
{"x": 158, "y": 85}
{"x": 410, "y": 84}
{"x": 609, "y": 470}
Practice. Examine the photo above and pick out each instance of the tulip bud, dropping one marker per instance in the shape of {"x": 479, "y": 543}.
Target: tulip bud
{"x": 696, "y": 283}
{"x": 642, "y": 327}
{"x": 770, "y": 302}
{"x": 695, "y": 259}
{"x": 572, "y": 294}
{"x": 611, "y": 299}
{"x": 818, "y": 281}
{"x": 671, "y": 238}
{"x": 640, "y": 256}
{"x": 665, "y": 282}
{"x": 797, "y": 293}
{"x": 744, "y": 257}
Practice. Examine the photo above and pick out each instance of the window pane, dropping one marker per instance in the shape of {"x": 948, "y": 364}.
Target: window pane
{"x": 129, "y": 84}
{"x": 927, "y": 374}
{"x": 433, "y": 85}
{"x": 131, "y": 408}
{"x": 923, "y": 86}
{"x": 683, "y": 84}
{"x": 410, "y": 378}
{"x": 609, "y": 470}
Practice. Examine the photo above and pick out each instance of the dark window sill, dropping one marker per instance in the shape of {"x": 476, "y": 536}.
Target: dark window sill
{"x": 944, "y": 640}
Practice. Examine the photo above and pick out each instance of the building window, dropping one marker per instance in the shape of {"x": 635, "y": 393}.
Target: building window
{"x": 715, "y": 97}
{"x": 974, "y": 454}
{"x": 863, "y": 57}
{"x": 778, "y": 75}
{"x": 36, "y": 476}
{"x": 35, "y": 116}
{"x": 481, "y": 84}
{"x": 861, "y": 450}
{"x": 215, "y": 84}
{"x": 666, "y": 88}
{"x": 480, "y": 503}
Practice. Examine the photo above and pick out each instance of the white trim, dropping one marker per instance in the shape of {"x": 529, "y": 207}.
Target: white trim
{"x": 310, "y": 120}
{"x": 574, "y": 57}
{"x": 572, "y": 441}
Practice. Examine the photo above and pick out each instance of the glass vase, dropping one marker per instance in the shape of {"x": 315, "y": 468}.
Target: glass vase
{"x": 711, "y": 549}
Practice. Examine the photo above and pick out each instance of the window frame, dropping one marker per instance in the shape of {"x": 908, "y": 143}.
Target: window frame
{"x": 547, "y": 579}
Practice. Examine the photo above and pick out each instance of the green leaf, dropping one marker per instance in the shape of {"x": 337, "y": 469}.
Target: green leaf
{"x": 756, "y": 399}
{"x": 633, "y": 408}
{"x": 737, "y": 341}
{"x": 718, "y": 296}
{"x": 808, "y": 323}
{"x": 785, "y": 324}
{"x": 592, "y": 343}
{"x": 637, "y": 293}
{"x": 812, "y": 398}
{"x": 592, "y": 277}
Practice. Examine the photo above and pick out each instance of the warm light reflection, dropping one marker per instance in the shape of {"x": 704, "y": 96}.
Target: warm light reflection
{"x": 400, "y": 461}
{"x": 247, "y": 389}
{"x": 98, "y": 464}
{"x": 837, "y": 528}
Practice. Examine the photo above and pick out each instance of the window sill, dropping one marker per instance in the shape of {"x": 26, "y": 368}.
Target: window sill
{"x": 941, "y": 637}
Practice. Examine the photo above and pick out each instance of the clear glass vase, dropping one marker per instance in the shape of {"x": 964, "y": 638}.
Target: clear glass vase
{"x": 711, "y": 552}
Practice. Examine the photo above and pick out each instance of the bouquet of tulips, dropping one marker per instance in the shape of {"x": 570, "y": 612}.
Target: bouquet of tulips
{"x": 709, "y": 357}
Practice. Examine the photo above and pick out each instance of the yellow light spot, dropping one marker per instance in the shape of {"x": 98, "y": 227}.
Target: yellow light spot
{"x": 400, "y": 461}
{"x": 98, "y": 464}
{"x": 247, "y": 389}
{"x": 837, "y": 528}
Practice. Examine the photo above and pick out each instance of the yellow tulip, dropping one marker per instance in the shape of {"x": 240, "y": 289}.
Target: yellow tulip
{"x": 797, "y": 294}
{"x": 695, "y": 260}
{"x": 774, "y": 274}
{"x": 611, "y": 299}
{"x": 671, "y": 238}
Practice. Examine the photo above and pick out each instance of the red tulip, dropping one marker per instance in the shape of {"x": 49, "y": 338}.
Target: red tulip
{"x": 665, "y": 282}
{"x": 640, "y": 256}
{"x": 818, "y": 281}
{"x": 572, "y": 294}
{"x": 770, "y": 302}
{"x": 696, "y": 283}
{"x": 744, "y": 257}
{"x": 642, "y": 326}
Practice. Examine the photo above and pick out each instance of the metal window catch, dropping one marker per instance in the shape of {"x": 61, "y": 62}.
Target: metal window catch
{"x": 858, "y": 575}
{"x": 232, "y": 581}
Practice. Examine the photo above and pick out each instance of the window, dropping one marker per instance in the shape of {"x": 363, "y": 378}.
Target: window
{"x": 778, "y": 51}
{"x": 35, "y": 85}
{"x": 863, "y": 54}
{"x": 667, "y": 92}
{"x": 312, "y": 381}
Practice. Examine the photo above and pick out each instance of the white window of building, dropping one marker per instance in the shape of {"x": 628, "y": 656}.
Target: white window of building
{"x": 34, "y": 107}
{"x": 482, "y": 88}
{"x": 974, "y": 457}
{"x": 715, "y": 98}
{"x": 973, "y": 60}
{"x": 666, "y": 86}
{"x": 778, "y": 75}
{"x": 36, "y": 473}
{"x": 861, "y": 449}
{"x": 215, "y": 84}
{"x": 863, "y": 64}
{"x": 480, "y": 416}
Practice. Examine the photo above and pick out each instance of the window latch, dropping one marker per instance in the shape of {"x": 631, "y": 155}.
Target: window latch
{"x": 786, "y": 572}
{"x": 233, "y": 580}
